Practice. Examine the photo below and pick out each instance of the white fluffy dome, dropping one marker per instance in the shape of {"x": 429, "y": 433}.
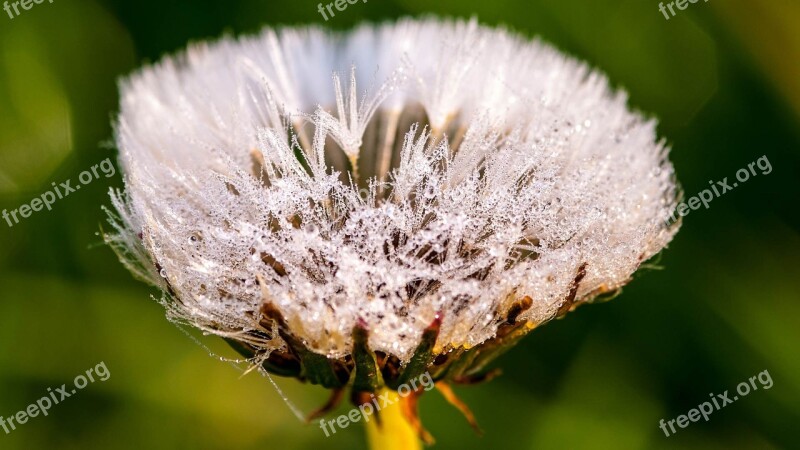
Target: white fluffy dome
{"x": 383, "y": 175}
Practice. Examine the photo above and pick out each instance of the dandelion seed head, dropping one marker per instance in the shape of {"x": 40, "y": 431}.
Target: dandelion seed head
{"x": 383, "y": 176}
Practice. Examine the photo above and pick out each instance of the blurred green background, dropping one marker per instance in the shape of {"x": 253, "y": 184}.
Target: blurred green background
{"x": 722, "y": 76}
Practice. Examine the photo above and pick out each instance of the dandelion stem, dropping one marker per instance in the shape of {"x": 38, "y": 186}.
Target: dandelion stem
{"x": 394, "y": 431}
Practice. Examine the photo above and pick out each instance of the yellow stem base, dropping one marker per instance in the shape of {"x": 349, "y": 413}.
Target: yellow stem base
{"x": 394, "y": 431}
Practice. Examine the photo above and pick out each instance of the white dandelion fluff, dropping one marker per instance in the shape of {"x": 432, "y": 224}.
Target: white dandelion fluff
{"x": 381, "y": 178}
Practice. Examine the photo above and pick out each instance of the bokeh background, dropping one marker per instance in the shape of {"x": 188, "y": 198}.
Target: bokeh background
{"x": 722, "y": 305}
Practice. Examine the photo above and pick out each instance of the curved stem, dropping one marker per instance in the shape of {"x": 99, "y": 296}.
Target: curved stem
{"x": 394, "y": 431}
